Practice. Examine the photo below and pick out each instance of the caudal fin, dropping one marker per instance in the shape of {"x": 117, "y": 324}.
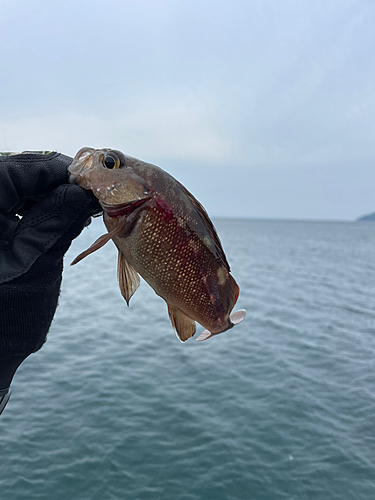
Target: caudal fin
{"x": 204, "y": 336}
{"x": 235, "y": 319}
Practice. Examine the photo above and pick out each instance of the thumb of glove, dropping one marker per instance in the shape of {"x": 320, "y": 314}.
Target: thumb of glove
{"x": 47, "y": 228}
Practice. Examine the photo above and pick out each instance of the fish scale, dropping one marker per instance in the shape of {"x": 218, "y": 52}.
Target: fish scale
{"x": 163, "y": 234}
{"x": 176, "y": 276}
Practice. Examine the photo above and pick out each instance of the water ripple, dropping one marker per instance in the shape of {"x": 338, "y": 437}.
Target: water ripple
{"x": 281, "y": 407}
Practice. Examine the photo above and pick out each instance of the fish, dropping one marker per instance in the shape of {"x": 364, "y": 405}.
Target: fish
{"x": 163, "y": 234}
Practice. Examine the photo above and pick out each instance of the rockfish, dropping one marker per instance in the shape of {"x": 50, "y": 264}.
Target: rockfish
{"x": 163, "y": 233}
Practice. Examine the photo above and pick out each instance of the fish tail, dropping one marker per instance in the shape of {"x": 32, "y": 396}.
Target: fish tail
{"x": 205, "y": 335}
{"x": 234, "y": 319}
{"x": 237, "y": 317}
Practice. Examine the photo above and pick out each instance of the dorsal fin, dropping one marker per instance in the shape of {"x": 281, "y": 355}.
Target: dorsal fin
{"x": 208, "y": 225}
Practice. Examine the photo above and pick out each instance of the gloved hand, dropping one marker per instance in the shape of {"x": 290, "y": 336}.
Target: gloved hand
{"x": 32, "y": 247}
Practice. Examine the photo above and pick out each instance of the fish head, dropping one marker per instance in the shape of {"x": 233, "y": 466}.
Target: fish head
{"x": 110, "y": 175}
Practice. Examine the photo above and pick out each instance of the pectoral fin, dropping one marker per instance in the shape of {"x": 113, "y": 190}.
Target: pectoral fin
{"x": 182, "y": 324}
{"x": 99, "y": 243}
{"x": 128, "y": 278}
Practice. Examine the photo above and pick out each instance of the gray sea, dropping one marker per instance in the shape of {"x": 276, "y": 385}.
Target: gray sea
{"x": 280, "y": 407}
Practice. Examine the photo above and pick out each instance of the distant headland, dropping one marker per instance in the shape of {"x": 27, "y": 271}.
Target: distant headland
{"x": 369, "y": 217}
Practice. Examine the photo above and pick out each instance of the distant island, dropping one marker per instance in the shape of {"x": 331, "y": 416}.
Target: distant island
{"x": 369, "y": 217}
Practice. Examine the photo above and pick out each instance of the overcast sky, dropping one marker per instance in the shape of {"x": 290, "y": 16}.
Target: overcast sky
{"x": 262, "y": 108}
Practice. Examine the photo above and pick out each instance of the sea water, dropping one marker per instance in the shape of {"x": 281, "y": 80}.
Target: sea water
{"x": 280, "y": 407}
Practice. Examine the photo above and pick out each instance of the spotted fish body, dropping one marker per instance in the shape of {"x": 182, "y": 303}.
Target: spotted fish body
{"x": 163, "y": 233}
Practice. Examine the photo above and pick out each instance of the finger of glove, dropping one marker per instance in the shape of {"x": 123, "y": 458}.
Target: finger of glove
{"x": 8, "y": 226}
{"x": 53, "y": 222}
{"x": 30, "y": 176}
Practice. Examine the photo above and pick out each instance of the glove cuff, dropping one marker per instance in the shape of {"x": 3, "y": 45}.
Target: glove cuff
{"x": 8, "y": 367}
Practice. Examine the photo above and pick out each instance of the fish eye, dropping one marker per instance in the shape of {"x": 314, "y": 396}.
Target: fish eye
{"x": 121, "y": 157}
{"x": 111, "y": 161}
{"x": 114, "y": 159}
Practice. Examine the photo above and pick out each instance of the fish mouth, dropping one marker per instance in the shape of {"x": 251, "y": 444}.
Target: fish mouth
{"x": 123, "y": 208}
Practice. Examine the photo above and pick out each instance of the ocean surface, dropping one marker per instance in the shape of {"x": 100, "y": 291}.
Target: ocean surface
{"x": 280, "y": 407}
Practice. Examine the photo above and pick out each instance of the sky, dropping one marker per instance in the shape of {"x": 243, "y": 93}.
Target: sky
{"x": 262, "y": 108}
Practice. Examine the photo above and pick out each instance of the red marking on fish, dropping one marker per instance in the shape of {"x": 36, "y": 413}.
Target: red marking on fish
{"x": 166, "y": 209}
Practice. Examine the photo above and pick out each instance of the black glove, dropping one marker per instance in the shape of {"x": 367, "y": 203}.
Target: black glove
{"x": 32, "y": 247}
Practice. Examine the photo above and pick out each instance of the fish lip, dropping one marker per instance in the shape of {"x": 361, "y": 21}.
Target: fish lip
{"x": 81, "y": 164}
{"x": 122, "y": 208}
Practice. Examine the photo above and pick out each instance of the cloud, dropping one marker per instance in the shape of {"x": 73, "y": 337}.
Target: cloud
{"x": 272, "y": 89}
{"x": 179, "y": 129}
